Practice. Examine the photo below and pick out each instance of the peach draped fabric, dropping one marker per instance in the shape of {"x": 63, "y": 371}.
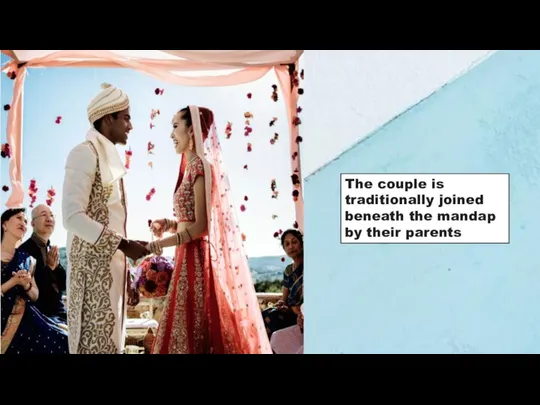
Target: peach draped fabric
{"x": 236, "y": 320}
{"x": 233, "y": 67}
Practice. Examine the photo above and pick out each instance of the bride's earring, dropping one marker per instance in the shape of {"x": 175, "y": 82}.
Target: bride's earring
{"x": 190, "y": 143}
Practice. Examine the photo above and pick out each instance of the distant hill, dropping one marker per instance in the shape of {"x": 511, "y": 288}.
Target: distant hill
{"x": 266, "y": 268}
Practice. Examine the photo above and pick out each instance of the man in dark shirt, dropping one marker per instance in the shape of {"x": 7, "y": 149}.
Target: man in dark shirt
{"x": 50, "y": 276}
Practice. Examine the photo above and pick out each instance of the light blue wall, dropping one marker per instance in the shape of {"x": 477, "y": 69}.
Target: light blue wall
{"x": 436, "y": 298}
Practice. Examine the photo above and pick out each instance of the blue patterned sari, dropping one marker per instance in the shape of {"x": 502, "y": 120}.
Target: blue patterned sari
{"x": 276, "y": 319}
{"x": 25, "y": 330}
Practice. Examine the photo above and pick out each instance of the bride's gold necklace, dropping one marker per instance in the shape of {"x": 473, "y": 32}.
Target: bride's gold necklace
{"x": 192, "y": 158}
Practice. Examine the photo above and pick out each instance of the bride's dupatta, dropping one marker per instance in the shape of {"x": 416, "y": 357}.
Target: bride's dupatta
{"x": 234, "y": 317}
{"x": 14, "y": 301}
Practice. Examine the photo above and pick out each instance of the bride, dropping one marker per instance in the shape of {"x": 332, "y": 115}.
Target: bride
{"x": 211, "y": 305}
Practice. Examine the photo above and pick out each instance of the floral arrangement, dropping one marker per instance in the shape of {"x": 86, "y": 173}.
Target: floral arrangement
{"x": 153, "y": 276}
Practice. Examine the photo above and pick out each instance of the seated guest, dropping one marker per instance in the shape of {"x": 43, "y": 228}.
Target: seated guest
{"x": 50, "y": 275}
{"x": 287, "y": 310}
{"x": 290, "y": 340}
{"x": 25, "y": 330}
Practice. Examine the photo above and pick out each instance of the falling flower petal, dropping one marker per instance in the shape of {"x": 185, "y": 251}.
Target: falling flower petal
{"x": 32, "y": 192}
{"x": 152, "y": 125}
{"x": 249, "y": 95}
{"x": 274, "y": 216}
{"x": 243, "y": 237}
{"x": 150, "y": 194}
{"x": 154, "y": 113}
{"x": 302, "y": 74}
{"x": 242, "y": 208}
{"x": 273, "y": 122}
{"x": 273, "y": 187}
{"x": 151, "y": 165}
{"x": 7, "y": 107}
{"x": 295, "y": 180}
{"x": 274, "y": 95}
{"x": 249, "y": 148}
{"x": 51, "y": 193}
{"x": 129, "y": 153}
{"x": 282, "y": 259}
{"x": 245, "y": 167}
{"x": 295, "y": 80}
{"x": 5, "y": 188}
{"x": 248, "y": 115}
{"x": 150, "y": 147}
{"x": 245, "y": 198}
{"x": 228, "y": 130}
{"x": 159, "y": 92}
{"x": 6, "y": 150}
{"x": 58, "y": 120}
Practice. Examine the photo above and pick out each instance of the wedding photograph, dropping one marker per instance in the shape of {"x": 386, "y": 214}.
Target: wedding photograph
{"x": 152, "y": 202}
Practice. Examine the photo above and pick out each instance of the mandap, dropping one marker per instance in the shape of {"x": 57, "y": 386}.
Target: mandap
{"x": 187, "y": 68}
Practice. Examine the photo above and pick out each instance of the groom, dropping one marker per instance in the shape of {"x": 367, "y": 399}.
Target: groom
{"x": 94, "y": 214}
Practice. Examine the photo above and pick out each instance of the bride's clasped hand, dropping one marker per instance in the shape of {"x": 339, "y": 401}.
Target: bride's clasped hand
{"x": 158, "y": 227}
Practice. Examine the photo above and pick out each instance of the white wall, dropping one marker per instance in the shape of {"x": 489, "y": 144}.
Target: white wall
{"x": 366, "y": 89}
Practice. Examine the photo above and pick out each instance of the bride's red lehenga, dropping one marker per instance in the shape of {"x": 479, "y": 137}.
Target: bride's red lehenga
{"x": 211, "y": 305}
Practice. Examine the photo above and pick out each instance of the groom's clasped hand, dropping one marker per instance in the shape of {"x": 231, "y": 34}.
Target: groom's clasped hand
{"x": 133, "y": 249}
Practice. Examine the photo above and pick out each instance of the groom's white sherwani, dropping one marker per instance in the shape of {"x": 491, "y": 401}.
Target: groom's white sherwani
{"x": 94, "y": 214}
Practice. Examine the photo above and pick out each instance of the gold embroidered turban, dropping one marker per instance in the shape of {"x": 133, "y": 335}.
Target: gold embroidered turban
{"x": 108, "y": 101}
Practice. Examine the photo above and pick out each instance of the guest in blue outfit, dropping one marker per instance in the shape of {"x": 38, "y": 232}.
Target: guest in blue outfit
{"x": 25, "y": 330}
{"x": 287, "y": 310}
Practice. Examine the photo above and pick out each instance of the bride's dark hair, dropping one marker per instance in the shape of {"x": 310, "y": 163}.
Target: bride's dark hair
{"x": 207, "y": 119}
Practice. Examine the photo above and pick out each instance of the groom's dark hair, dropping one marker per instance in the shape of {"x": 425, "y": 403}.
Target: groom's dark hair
{"x": 97, "y": 123}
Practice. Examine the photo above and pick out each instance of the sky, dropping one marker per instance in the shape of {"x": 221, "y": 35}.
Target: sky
{"x": 66, "y": 92}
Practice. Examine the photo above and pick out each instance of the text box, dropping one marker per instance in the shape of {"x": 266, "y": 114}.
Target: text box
{"x": 425, "y": 208}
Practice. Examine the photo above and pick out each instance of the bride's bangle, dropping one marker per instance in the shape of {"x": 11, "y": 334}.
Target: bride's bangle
{"x": 155, "y": 248}
{"x": 179, "y": 238}
{"x": 171, "y": 225}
